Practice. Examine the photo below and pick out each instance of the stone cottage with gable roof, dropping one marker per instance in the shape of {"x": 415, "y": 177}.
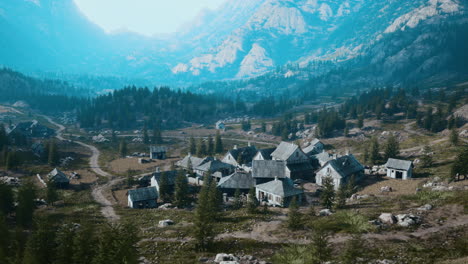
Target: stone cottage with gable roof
{"x": 278, "y": 192}
{"x": 340, "y": 170}
{"x": 240, "y": 156}
{"x": 399, "y": 169}
{"x": 238, "y": 180}
{"x": 298, "y": 165}
{"x": 143, "y": 198}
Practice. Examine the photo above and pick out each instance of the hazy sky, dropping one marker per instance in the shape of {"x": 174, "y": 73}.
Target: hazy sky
{"x": 147, "y": 17}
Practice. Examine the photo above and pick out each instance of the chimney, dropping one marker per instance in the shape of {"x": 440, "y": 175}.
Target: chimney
{"x": 249, "y": 144}
{"x": 235, "y": 146}
{"x": 158, "y": 169}
{"x": 190, "y": 154}
{"x": 276, "y": 178}
{"x": 347, "y": 152}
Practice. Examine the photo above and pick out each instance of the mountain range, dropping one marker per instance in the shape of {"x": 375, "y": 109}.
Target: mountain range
{"x": 332, "y": 42}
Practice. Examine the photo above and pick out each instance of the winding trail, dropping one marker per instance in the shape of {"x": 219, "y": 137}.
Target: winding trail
{"x": 97, "y": 192}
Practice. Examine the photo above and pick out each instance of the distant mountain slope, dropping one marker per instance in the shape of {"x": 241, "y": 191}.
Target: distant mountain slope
{"x": 292, "y": 40}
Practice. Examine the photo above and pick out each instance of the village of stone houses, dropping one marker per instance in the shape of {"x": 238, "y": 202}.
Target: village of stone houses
{"x": 233, "y": 192}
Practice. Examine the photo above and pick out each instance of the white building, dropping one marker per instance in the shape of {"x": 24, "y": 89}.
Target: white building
{"x": 399, "y": 169}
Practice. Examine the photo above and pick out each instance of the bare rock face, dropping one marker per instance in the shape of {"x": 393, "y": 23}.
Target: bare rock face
{"x": 387, "y": 218}
{"x": 226, "y": 258}
{"x": 426, "y": 207}
{"x": 386, "y": 189}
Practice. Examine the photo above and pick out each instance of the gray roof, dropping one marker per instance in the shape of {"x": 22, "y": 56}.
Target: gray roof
{"x": 266, "y": 153}
{"x": 57, "y": 176}
{"x": 346, "y": 165}
{"x": 399, "y": 164}
{"x": 158, "y": 149}
{"x": 171, "y": 176}
{"x": 284, "y": 151}
{"x": 213, "y": 166}
{"x": 143, "y": 194}
{"x": 194, "y": 161}
{"x": 238, "y": 180}
{"x": 304, "y": 166}
{"x": 268, "y": 168}
{"x": 281, "y": 187}
{"x": 312, "y": 147}
{"x": 324, "y": 157}
{"x": 247, "y": 153}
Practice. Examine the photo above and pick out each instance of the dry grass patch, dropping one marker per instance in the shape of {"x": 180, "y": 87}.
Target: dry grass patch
{"x": 399, "y": 187}
{"x": 123, "y": 165}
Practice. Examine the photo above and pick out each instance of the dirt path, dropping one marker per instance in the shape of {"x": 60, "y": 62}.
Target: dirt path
{"x": 107, "y": 209}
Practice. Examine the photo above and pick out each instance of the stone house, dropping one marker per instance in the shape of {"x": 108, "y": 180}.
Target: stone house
{"x": 190, "y": 162}
{"x": 220, "y": 125}
{"x": 170, "y": 176}
{"x": 298, "y": 164}
{"x": 238, "y": 180}
{"x": 399, "y": 169}
{"x": 214, "y": 166}
{"x": 158, "y": 152}
{"x": 264, "y": 154}
{"x": 340, "y": 170}
{"x": 240, "y": 156}
{"x": 143, "y": 198}
{"x": 315, "y": 147}
{"x": 58, "y": 178}
{"x": 267, "y": 170}
{"x": 278, "y": 192}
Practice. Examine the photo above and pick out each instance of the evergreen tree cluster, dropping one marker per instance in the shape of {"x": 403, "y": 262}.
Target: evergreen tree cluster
{"x": 162, "y": 108}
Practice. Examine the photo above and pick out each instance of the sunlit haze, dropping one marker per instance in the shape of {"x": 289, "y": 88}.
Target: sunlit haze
{"x": 148, "y": 17}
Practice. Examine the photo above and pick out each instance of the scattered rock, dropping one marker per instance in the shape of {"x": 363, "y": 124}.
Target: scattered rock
{"x": 387, "y": 218}
{"x": 223, "y": 258}
{"x": 386, "y": 189}
{"x": 166, "y": 206}
{"x": 426, "y": 207}
{"x": 407, "y": 220}
{"x": 100, "y": 139}
{"x": 165, "y": 223}
{"x": 440, "y": 188}
{"x": 325, "y": 212}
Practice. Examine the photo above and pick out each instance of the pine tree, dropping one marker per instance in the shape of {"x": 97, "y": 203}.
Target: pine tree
{"x": 84, "y": 244}
{"x": 64, "y": 242}
{"x": 374, "y": 155}
{"x": 320, "y": 247}
{"x": 164, "y": 193}
{"x": 360, "y": 123}
{"x": 426, "y": 159}
{"x": 53, "y": 157}
{"x": 51, "y": 193}
{"x": 201, "y": 148}
{"x": 5, "y": 239}
{"x": 193, "y": 146}
{"x": 26, "y": 206}
{"x": 252, "y": 202}
{"x": 294, "y": 216}
{"x": 392, "y": 148}
{"x": 454, "y": 137}
{"x": 181, "y": 198}
{"x": 459, "y": 166}
{"x": 146, "y": 139}
{"x": 237, "y": 199}
{"x": 263, "y": 128}
{"x": 355, "y": 251}
{"x": 157, "y": 136}
{"x": 123, "y": 148}
{"x": 210, "y": 146}
{"x": 6, "y": 199}
{"x": 341, "y": 197}
{"x": 204, "y": 223}
{"x": 40, "y": 247}
{"x": 365, "y": 155}
{"x": 327, "y": 197}
{"x": 219, "y": 148}
{"x": 351, "y": 186}
{"x": 215, "y": 198}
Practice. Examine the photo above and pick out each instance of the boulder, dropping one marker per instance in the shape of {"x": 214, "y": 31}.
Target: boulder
{"x": 225, "y": 258}
{"x": 440, "y": 188}
{"x": 426, "y": 207}
{"x": 325, "y": 212}
{"x": 165, "y": 206}
{"x": 386, "y": 189}
{"x": 165, "y": 223}
{"x": 387, "y": 218}
{"x": 407, "y": 220}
